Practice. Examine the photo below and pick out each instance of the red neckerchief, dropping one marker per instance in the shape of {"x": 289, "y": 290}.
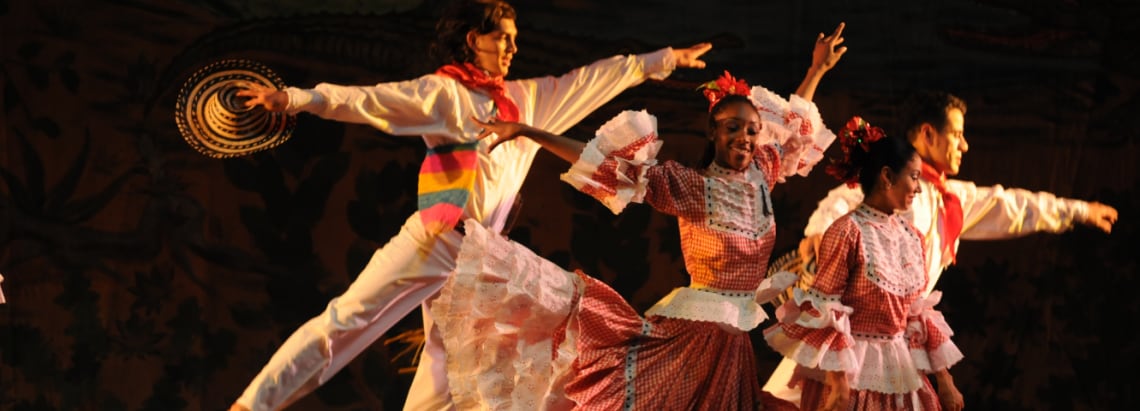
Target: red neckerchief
{"x": 950, "y": 214}
{"x": 475, "y": 78}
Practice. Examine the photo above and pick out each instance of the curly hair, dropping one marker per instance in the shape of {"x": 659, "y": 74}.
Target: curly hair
{"x": 462, "y": 17}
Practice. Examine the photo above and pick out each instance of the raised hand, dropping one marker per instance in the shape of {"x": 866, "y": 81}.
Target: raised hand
{"x": 827, "y": 51}
{"x": 691, "y": 57}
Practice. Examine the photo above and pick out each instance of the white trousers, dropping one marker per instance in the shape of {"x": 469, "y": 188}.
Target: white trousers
{"x": 406, "y": 272}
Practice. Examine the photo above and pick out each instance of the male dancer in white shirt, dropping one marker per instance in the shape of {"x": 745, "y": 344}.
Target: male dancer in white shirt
{"x": 948, "y": 210}
{"x": 459, "y": 179}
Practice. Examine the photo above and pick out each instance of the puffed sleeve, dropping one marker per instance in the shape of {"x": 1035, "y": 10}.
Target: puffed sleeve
{"x": 928, "y": 336}
{"x": 795, "y": 127}
{"x": 815, "y": 326}
{"x": 619, "y": 166}
{"x": 996, "y": 212}
{"x": 839, "y": 201}
{"x": 612, "y": 167}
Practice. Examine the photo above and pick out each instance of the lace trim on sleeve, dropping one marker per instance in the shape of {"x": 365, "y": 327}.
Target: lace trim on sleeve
{"x": 833, "y": 315}
{"x": 796, "y": 127}
{"x": 612, "y": 166}
{"x": 925, "y": 320}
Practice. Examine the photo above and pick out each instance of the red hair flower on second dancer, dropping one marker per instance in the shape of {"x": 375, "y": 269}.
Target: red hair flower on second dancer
{"x": 858, "y": 132}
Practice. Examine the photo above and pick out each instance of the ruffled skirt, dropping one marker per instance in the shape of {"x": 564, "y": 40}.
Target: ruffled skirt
{"x": 521, "y": 333}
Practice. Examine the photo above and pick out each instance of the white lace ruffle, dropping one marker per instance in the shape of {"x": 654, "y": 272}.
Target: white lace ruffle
{"x": 895, "y": 266}
{"x": 775, "y": 285}
{"x": 734, "y": 311}
{"x": 833, "y": 315}
{"x": 880, "y": 363}
{"x": 497, "y": 315}
{"x": 922, "y": 315}
{"x": 796, "y": 126}
{"x": 737, "y": 207}
{"x": 624, "y": 182}
{"x": 877, "y": 363}
{"x": 941, "y": 358}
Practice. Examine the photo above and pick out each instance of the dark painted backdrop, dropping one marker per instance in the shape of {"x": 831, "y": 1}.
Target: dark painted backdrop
{"x": 143, "y": 276}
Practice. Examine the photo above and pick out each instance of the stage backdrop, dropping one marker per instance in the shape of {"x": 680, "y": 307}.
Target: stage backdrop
{"x": 141, "y": 275}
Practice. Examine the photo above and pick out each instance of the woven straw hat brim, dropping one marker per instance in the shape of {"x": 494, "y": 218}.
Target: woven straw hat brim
{"x": 214, "y": 120}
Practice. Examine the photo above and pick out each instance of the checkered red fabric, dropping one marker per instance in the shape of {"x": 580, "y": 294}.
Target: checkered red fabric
{"x": 728, "y": 255}
{"x": 626, "y": 362}
{"x": 871, "y": 262}
{"x": 925, "y": 399}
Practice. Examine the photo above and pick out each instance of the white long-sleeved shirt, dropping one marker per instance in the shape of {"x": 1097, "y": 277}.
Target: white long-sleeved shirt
{"x": 988, "y": 213}
{"x": 439, "y": 109}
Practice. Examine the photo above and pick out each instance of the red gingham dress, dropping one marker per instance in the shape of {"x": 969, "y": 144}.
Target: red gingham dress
{"x": 662, "y": 363}
{"x": 865, "y": 315}
{"x": 691, "y": 351}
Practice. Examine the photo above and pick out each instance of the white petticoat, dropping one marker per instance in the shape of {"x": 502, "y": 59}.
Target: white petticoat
{"x": 497, "y": 315}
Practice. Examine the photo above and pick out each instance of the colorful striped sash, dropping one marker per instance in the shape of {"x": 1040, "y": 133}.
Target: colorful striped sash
{"x": 447, "y": 175}
{"x": 446, "y": 179}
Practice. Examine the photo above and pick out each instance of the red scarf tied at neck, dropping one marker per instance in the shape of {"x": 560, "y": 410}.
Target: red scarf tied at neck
{"x": 949, "y": 215}
{"x": 473, "y": 77}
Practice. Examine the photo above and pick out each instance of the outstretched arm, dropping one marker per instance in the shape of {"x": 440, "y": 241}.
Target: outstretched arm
{"x": 825, "y": 55}
{"x": 564, "y": 147}
{"x": 562, "y": 101}
{"x": 996, "y": 212}
{"x": 425, "y": 106}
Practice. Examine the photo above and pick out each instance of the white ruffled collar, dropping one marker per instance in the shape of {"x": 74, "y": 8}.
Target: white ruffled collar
{"x": 715, "y": 170}
{"x": 873, "y": 213}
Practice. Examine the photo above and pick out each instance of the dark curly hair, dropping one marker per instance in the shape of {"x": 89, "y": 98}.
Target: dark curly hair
{"x": 460, "y": 18}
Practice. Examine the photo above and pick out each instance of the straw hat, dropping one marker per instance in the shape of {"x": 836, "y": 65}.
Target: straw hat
{"x": 215, "y": 121}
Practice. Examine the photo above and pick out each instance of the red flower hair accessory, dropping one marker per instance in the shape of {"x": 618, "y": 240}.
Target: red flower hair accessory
{"x": 856, "y": 133}
{"x": 859, "y": 133}
{"x": 723, "y": 86}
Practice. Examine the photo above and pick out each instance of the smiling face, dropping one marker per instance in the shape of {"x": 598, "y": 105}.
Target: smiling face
{"x": 493, "y": 51}
{"x": 905, "y": 185}
{"x": 735, "y": 134}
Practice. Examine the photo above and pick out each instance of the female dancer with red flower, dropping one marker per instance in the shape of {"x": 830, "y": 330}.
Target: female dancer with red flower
{"x": 526, "y": 332}
{"x": 864, "y": 334}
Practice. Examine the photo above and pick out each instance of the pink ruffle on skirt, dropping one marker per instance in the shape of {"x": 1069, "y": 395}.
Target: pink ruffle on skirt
{"x": 521, "y": 333}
